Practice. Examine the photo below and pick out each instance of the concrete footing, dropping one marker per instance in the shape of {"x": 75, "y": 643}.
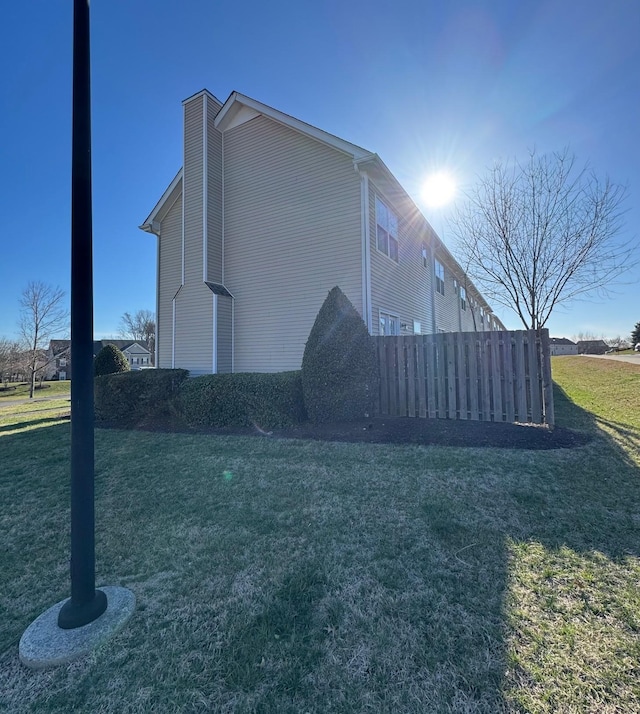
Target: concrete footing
{"x": 44, "y": 644}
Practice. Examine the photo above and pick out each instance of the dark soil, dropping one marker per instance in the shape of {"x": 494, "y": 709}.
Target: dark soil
{"x": 405, "y": 430}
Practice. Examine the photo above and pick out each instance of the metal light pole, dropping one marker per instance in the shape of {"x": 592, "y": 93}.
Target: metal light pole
{"x": 73, "y": 627}
{"x": 86, "y": 603}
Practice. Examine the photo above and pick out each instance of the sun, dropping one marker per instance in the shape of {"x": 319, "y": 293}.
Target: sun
{"x": 438, "y": 189}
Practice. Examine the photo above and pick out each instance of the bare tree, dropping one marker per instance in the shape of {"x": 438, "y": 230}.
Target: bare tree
{"x": 6, "y": 358}
{"x": 139, "y": 326}
{"x": 539, "y": 234}
{"x": 42, "y": 315}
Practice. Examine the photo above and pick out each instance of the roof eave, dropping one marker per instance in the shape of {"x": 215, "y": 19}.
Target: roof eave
{"x": 151, "y": 223}
{"x": 224, "y": 116}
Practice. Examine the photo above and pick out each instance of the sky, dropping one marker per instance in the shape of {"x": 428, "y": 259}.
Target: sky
{"x": 429, "y": 86}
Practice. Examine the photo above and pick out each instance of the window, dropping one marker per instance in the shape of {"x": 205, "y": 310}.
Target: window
{"x": 389, "y": 324}
{"x": 63, "y": 361}
{"x": 439, "y": 277}
{"x": 463, "y": 298}
{"x": 386, "y": 230}
{"x": 425, "y": 259}
{"x": 417, "y": 329}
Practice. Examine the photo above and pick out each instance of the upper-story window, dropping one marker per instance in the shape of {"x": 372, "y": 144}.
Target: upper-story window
{"x": 63, "y": 362}
{"x": 386, "y": 230}
{"x": 439, "y": 270}
{"x": 425, "y": 256}
{"x": 463, "y": 298}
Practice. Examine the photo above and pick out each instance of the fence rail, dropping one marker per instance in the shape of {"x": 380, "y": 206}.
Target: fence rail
{"x": 487, "y": 376}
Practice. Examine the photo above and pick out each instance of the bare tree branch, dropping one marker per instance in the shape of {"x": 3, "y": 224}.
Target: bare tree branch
{"x": 42, "y": 315}
{"x": 139, "y": 326}
{"x": 543, "y": 233}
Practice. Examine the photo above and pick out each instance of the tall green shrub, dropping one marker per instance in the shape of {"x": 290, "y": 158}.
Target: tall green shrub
{"x": 339, "y": 366}
{"x": 110, "y": 360}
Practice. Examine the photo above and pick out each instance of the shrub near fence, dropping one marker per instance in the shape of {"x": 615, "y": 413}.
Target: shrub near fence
{"x": 487, "y": 376}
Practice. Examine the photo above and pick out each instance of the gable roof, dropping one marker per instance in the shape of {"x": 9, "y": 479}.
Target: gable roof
{"x": 122, "y": 345}
{"x": 560, "y": 341}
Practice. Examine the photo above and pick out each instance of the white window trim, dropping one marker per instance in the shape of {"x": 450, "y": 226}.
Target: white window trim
{"x": 387, "y": 205}
{"x": 437, "y": 278}
{"x": 391, "y": 316}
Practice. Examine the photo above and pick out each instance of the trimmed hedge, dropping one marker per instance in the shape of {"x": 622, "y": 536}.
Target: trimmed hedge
{"x": 339, "y": 366}
{"x": 110, "y": 360}
{"x": 130, "y": 398}
{"x": 266, "y": 400}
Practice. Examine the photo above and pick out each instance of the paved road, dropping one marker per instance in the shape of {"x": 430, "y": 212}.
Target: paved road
{"x": 632, "y": 359}
{"x": 13, "y": 402}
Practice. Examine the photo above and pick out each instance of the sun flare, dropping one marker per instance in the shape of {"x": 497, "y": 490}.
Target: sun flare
{"x": 438, "y": 189}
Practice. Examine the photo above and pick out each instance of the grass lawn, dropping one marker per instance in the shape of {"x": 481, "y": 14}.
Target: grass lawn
{"x": 297, "y": 576}
{"x": 20, "y": 390}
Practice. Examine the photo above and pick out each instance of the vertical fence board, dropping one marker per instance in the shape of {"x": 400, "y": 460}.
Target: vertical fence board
{"x": 461, "y": 373}
{"x": 547, "y": 382}
{"x": 431, "y": 366}
{"x": 441, "y": 367}
{"x": 384, "y": 377}
{"x": 410, "y": 343}
{"x": 484, "y": 356}
{"x": 496, "y": 386}
{"x": 473, "y": 377}
{"x": 520, "y": 378}
{"x": 401, "y": 352}
{"x": 451, "y": 406}
{"x": 509, "y": 401}
{"x": 421, "y": 376}
{"x": 393, "y": 374}
{"x": 534, "y": 384}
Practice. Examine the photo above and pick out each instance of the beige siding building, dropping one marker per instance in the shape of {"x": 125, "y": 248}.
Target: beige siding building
{"x": 267, "y": 215}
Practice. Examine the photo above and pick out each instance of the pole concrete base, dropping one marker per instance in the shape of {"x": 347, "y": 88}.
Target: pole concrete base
{"x": 44, "y": 644}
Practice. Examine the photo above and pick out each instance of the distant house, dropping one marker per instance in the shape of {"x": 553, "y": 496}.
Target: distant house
{"x": 562, "y": 346}
{"x": 266, "y": 215}
{"x": 59, "y": 355}
{"x": 592, "y": 347}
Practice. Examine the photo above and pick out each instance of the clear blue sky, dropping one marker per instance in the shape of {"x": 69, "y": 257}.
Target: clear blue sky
{"x": 426, "y": 85}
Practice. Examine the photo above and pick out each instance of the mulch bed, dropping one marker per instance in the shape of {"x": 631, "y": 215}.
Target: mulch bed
{"x": 405, "y": 430}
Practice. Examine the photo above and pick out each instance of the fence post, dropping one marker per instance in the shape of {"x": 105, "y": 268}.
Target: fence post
{"x": 547, "y": 381}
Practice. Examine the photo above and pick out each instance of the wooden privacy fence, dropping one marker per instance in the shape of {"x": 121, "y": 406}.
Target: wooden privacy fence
{"x": 487, "y": 376}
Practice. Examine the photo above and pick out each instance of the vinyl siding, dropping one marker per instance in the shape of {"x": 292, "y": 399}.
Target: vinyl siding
{"x": 192, "y": 190}
{"x": 292, "y": 232}
{"x": 224, "y": 336}
{"x": 402, "y": 288}
{"x": 170, "y": 269}
{"x": 194, "y": 329}
{"x": 214, "y": 195}
{"x": 447, "y": 310}
{"x": 194, "y": 302}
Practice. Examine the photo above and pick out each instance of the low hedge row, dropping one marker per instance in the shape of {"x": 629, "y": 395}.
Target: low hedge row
{"x": 129, "y": 398}
{"x": 266, "y": 400}
{"x": 242, "y": 399}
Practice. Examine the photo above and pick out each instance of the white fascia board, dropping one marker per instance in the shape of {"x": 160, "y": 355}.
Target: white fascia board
{"x": 236, "y": 101}
{"x": 161, "y": 208}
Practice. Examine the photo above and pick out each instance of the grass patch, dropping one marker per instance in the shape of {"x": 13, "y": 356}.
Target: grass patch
{"x": 21, "y": 391}
{"x": 295, "y": 576}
